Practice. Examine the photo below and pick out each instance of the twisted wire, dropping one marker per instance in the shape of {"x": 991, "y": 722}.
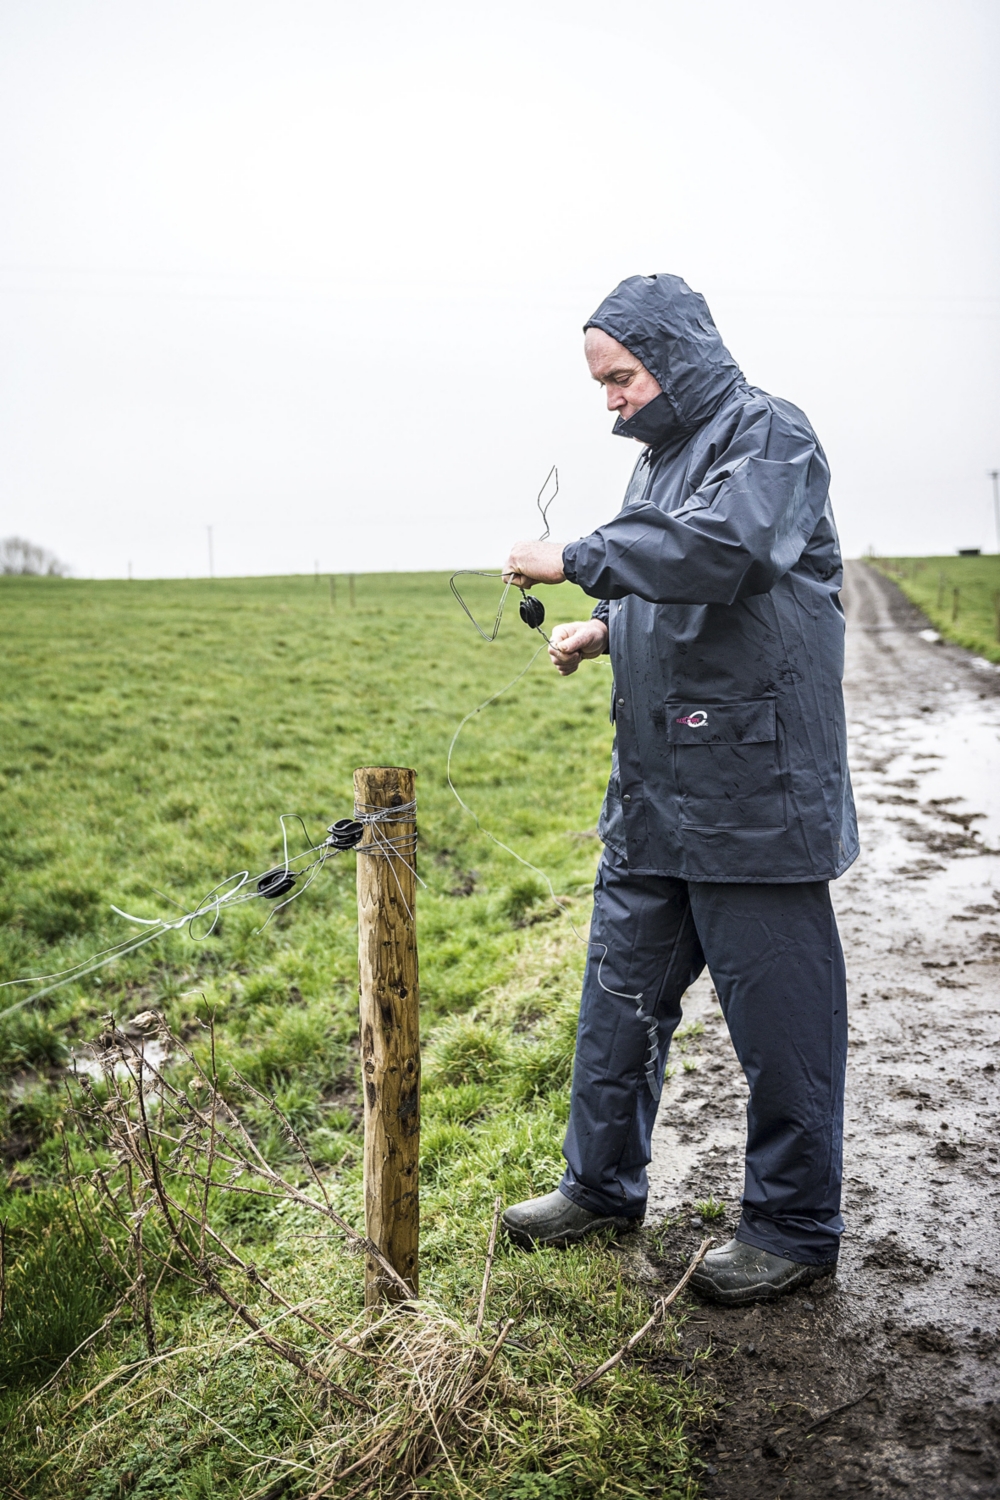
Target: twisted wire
{"x": 544, "y": 509}
{"x": 401, "y": 846}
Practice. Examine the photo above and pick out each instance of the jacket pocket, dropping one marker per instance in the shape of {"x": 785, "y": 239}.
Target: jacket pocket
{"x": 726, "y": 764}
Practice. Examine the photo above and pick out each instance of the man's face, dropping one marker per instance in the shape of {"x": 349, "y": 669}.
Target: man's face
{"x": 628, "y": 383}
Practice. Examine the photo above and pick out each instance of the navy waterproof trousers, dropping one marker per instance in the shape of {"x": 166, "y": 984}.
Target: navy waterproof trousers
{"x": 775, "y": 958}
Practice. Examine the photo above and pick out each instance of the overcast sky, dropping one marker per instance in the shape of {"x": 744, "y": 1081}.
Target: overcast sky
{"x": 314, "y": 273}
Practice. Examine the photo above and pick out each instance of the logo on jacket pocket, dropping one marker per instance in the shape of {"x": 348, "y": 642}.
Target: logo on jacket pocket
{"x": 694, "y": 721}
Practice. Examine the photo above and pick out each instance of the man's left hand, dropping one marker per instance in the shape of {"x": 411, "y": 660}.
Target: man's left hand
{"x": 534, "y": 562}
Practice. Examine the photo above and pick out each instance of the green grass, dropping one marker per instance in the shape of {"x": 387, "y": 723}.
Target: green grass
{"x": 973, "y": 618}
{"x": 151, "y": 735}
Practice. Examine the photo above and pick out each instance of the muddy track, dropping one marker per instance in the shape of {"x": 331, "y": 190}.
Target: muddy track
{"x": 885, "y": 1379}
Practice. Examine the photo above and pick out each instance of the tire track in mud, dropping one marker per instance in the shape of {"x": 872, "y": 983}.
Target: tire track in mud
{"x": 886, "y": 1379}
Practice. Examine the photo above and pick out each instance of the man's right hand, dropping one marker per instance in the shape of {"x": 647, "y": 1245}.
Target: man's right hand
{"x": 571, "y": 644}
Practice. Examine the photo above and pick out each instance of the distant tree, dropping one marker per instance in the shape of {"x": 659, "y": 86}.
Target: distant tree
{"x": 19, "y": 556}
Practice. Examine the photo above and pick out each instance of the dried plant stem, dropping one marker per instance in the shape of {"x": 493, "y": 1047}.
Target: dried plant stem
{"x": 433, "y": 1420}
{"x": 106, "y": 1251}
{"x": 210, "y": 1280}
{"x": 836, "y": 1410}
{"x": 491, "y": 1358}
{"x": 142, "y": 1287}
{"x": 640, "y": 1333}
{"x": 137, "y": 1369}
{"x": 490, "y": 1249}
{"x": 211, "y": 1145}
{"x": 251, "y": 1158}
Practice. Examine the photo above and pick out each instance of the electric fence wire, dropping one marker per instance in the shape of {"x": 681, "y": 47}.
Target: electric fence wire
{"x": 532, "y": 610}
{"x": 544, "y": 509}
{"x": 402, "y": 846}
{"x": 234, "y": 890}
{"x": 653, "y": 1048}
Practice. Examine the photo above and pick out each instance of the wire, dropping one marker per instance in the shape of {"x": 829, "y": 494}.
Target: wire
{"x": 527, "y": 601}
{"x": 242, "y": 887}
{"x": 472, "y": 573}
{"x": 641, "y": 1015}
{"x": 402, "y": 846}
{"x": 544, "y": 509}
{"x": 532, "y": 610}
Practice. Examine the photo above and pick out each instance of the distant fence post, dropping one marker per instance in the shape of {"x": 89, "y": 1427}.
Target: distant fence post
{"x": 390, "y": 1025}
{"x": 954, "y": 605}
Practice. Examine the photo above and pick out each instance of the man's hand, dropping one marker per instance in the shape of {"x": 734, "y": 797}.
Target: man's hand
{"x": 534, "y": 562}
{"x": 571, "y": 644}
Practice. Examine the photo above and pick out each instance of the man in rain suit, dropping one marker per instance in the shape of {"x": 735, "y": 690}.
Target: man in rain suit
{"x": 729, "y": 808}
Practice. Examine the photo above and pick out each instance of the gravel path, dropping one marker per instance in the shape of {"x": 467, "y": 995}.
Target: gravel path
{"x": 906, "y": 1340}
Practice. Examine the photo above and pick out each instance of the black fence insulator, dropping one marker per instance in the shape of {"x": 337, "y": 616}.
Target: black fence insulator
{"x": 532, "y": 611}
{"x": 346, "y": 833}
{"x": 275, "y": 883}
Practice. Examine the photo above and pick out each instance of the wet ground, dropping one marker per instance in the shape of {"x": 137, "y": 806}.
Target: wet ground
{"x": 886, "y": 1379}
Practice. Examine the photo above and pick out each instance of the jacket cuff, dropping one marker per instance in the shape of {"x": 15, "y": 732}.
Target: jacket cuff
{"x": 601, "y": 611}
{"x": 569, "y": 560}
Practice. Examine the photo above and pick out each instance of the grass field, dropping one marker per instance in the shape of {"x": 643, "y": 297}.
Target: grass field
{"x": 152, "y": 733}
{"x": 959, "y": 595}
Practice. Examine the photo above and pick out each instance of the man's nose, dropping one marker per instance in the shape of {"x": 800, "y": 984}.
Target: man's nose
{"x": 616, "y": 398}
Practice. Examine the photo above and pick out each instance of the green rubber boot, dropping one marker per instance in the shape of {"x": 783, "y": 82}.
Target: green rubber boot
{"x": 738, "y": 1273}
{"x": 555, "y": 1220}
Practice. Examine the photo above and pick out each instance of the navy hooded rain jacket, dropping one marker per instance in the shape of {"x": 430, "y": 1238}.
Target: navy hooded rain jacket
{"x": 721, "y": 576}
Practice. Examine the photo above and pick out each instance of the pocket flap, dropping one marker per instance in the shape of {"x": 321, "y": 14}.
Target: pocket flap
{"x": 720, "y": 723}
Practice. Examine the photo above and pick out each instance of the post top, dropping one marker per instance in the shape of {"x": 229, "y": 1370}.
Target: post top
{"x": 403, "y": 770}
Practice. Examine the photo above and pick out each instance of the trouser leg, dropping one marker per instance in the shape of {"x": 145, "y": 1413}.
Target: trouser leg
{"x": 642, "y": 942}
{"x": 776, "y": 961}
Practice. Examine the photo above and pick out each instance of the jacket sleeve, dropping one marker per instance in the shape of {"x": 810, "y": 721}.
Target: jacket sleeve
{"x": 743, "y": 528}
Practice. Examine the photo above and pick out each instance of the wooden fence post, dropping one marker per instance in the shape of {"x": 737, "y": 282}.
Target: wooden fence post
{"x": 390, "y": 1026}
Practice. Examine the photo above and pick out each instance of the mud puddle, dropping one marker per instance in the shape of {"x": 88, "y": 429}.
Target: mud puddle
{"x": 886, "y": 1379}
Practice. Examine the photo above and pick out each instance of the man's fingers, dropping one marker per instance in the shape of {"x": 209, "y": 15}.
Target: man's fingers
{"x": 534, "y": 562}
{"x": 571, "y": 641}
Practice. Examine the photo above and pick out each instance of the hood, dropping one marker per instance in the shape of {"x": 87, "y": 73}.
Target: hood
{"x": 664, "y": 323}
